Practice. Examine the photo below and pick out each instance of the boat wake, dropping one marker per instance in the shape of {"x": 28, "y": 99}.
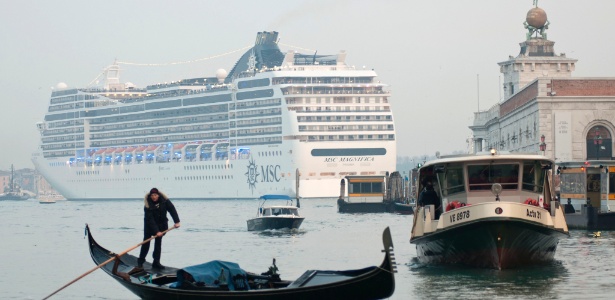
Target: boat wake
{"x": 280, "y": 232}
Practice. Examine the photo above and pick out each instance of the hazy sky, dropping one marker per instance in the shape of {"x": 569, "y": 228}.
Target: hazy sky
{"x": 429, "y": 52}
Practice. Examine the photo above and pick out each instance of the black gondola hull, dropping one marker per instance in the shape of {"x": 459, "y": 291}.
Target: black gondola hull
{"x": 496, "y": 243}
{"x": 368, "y": 283}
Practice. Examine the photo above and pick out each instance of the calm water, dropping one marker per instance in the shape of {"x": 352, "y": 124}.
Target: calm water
{"x": 42, "y": 247}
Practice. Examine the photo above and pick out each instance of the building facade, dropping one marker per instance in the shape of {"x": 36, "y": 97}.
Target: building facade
{"x": 547, "y": 110}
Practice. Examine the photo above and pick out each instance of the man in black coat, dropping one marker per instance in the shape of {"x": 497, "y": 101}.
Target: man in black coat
{"x": 429, "y": 196}
{"x": 156, "y": 207}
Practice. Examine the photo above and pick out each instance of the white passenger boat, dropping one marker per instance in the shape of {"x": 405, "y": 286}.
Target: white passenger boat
{"x": 235, "y": 135}
{"x": 48, "y": 198}
{"x": 493, "y": 211}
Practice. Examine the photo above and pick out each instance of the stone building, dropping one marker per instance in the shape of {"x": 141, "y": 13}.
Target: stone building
{"x": 547, "y": 110}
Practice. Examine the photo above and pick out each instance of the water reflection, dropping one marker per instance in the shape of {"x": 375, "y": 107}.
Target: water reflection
{"x": 434, "y": 282}
{"x": 285, "y": 232}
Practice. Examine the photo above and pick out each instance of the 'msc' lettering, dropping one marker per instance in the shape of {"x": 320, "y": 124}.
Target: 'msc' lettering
{"x": 270, "y": 173}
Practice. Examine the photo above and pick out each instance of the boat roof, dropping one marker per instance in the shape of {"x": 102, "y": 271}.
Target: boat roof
{"x": 275, "y": 197}
{"x": 483, "y": 156}
{"x": 280, "y": 206}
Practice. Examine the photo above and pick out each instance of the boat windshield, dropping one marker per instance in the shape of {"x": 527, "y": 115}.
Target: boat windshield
{"x": 452, "y": 180}
{"x": 481, "y": 177}
{"x": 284, "y": 211}
{"x": 533, "y": 177}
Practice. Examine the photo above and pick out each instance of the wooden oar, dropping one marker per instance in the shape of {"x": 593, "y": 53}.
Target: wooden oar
{"x": 106, "y": 262}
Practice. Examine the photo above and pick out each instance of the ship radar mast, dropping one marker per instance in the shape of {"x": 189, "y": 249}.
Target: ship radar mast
{"x": 110, "y": 76}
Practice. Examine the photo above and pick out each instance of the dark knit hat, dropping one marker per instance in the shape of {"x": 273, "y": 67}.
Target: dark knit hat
{"x": 154, "y": 191}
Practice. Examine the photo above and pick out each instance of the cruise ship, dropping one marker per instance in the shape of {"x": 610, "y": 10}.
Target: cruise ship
{"x": 276, "y": 123}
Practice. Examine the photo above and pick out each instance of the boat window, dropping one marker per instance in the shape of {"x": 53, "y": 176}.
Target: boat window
{"x": 452, "y": 180}
{"x": 276, "y": 211}
{"x": 267, "y": 212}
{"x": 481, "y": 177}
{"x": 365, "y": 187}
{"x": 572, "y": 182}
{"x": 533, "y": 176}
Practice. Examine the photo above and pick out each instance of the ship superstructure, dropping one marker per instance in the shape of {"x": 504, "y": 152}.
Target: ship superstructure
{"x": 275, "y": 122}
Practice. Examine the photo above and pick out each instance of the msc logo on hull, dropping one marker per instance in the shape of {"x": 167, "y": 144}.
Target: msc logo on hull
{"x": 268, "y": 173}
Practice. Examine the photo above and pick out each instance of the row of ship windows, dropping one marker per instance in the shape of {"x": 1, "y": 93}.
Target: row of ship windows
{"x": 74, "y": 98}
{"x": 208, "y": 127}
{"x": 355, "y": 118}
{"x": 191, "y": 168}
{"x": 365, "y": 173}
{"x": 171, "y": 113}
{"x": 159, "y": 131}
{"x": 317, "y": 90}
{"x": 163, "y": 122}
{"x": 197, "y": 111}
{"x": 321, "y": 80}
{"x": 369, "y": 137}
{"x": 65, "y": 131}
{"x": 107, "y": 128}
{"x": 69, "y": 149}
{"x": 82, "y": 173}
{"x": 321, "y": 109}
{"x": 256, "y": 113}
{"x": 238, "y": 142}
{"x": 178, "y": 178}
{"x": 346, "y": 128}
{"x": 62, "y": 124}
{"x": 255, "y": 103}
{"x": 147, "y": 140}
{"x": 208, "y": 167}
{"x": 118, "y": 114}
{"x": 111, "y": 180}
{"x": 161, "y": 139}
{"x": 211, "y": 177}
{"x": 143, "y": 107}
{"x": 259, "y": 121}
{"x": 201, "y": 100}
{"x": 336, "y": 100}
{"x": 257, "y": 131}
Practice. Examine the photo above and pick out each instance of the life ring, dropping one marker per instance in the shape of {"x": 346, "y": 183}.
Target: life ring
{"x": 530, "y": 201}
{"x": 454, "y": 205}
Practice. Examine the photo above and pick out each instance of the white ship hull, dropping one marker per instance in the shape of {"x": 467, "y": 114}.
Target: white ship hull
{"x": 209, "y": 179}
{"x": 242, "y": 138}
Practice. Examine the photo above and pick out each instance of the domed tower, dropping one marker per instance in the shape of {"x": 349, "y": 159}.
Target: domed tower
{"x": 536, "y": 58}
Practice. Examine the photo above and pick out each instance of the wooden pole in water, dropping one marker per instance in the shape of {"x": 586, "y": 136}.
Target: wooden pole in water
{"x": 297, "y": 178}
{"x": 106, "y": 262}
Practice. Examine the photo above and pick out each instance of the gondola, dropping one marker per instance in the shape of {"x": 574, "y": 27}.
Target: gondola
{"x": 230, "y": 282}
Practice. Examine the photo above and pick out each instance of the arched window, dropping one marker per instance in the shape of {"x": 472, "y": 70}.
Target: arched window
{"x": 599, "y": 144}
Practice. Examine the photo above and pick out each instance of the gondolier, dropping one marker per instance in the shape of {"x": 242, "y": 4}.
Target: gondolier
{"x": 155, "y": 222}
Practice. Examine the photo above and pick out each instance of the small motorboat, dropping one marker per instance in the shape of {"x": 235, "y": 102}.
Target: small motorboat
{"x": 487, "y": 210}
{"x": 46, "y": 201}
{"x": 275, "y": 216}
{"x": 226, "y": 280}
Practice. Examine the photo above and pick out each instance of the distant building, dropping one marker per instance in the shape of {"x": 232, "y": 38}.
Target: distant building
{"x": 548, "y": 111}
{"x": 26, "y": 180}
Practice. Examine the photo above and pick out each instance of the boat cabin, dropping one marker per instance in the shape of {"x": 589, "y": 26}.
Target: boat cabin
{"x": 278, "y": 211}
{"x": 460, "y": 181}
